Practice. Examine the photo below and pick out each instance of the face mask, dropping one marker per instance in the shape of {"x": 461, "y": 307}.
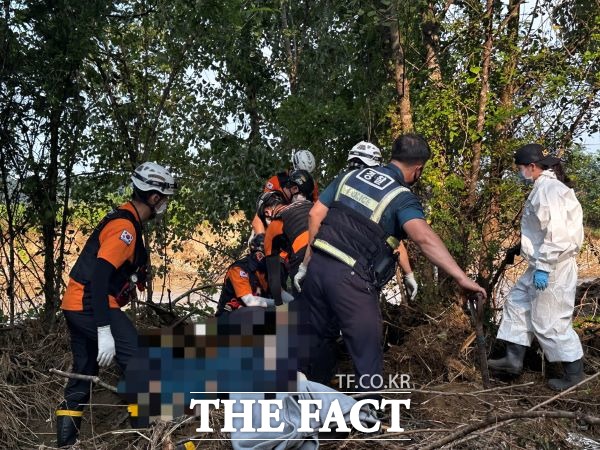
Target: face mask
{"x": 524, "y": 178}
{"x": 298, "y": 197}
{"x": 161, "y": 207}
{"x": 416, "y": 176}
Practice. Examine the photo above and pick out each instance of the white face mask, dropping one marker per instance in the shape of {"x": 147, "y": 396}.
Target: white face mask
{"x": 527, "y": 179}
{"x": 297, "y": 197}
{"x": 161, "y": 207}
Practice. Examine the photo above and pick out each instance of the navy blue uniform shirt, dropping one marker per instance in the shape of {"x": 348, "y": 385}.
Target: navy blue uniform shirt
{"x": 403, "y": 208}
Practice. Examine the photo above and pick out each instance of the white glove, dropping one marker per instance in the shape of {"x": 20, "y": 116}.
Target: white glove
{"x": 106, "y": 346}
{"x": 286, "y": 297}
{"x": 411, "y": 285}
{"x": 255, "y": 300}
{"x": 299, "y": 277}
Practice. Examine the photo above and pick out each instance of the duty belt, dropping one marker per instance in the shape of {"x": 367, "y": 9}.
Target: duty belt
{"x": 343, "y": 256}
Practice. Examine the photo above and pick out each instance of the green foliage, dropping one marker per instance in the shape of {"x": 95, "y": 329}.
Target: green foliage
{"x": 585, "y": 173}
{"x": 222, "y": 92}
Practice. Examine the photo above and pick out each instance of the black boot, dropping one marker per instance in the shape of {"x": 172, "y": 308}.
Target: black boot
{"x": 573, "y": 374}
{"x": 512, "y": 363}
{"x": 68, "y": 423}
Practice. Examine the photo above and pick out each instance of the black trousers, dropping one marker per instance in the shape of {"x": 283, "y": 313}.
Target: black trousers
{"x": 339, "y": 299}
{"x": 84, "y": 346}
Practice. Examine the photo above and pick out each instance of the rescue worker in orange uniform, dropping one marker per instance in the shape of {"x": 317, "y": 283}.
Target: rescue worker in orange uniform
{"x": 246, "y": 281}
{"x": 104, "y": 277}
{"x": 301, "y": 160}
{"x": 285, "y": 214}
{"x": 286, "y": 218}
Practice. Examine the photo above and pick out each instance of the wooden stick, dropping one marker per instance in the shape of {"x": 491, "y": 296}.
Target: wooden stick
{"x": 408, "y": 432}
{"x": 503, "y": 388}
{"x": 428, "y": 392}
{"x": 78, "y": 376}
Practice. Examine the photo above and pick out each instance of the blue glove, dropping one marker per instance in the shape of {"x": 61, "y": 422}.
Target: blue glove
{"x": 540, "y": 280}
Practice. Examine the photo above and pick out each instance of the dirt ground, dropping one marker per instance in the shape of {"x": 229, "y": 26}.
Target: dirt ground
{"x": 435, "y": 351}
{"x": 435, "y": 347}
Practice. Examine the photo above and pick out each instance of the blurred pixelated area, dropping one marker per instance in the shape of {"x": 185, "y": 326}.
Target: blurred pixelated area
{"x": 248, "y": 350}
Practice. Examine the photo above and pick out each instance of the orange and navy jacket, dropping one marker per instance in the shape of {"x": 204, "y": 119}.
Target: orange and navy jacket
{"x": 288, "y": 232}
{"x": 117, "y": 239}
{"x": 276, "y": 183}
{"x": 241, "y": 280}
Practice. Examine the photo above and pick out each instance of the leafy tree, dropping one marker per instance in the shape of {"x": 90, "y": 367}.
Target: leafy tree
{"x": 222, "y": 92}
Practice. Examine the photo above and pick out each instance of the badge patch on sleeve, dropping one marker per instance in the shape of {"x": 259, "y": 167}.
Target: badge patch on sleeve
{"x": 127, "y": 237}
{"x": 243, "y": 274}
{"x": 269, "y": 185}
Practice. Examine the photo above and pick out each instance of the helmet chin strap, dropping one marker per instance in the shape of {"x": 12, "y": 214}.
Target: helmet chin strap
{"x": 136, "y": 211}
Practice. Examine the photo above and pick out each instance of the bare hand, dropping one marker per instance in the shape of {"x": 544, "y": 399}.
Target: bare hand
{"x": 470, "y": 286}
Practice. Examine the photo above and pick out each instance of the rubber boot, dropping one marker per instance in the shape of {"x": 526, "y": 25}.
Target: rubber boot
{"x": 573, "y": 374}
{"x": 512, "y": 363}
{"x": 67, "y": 427}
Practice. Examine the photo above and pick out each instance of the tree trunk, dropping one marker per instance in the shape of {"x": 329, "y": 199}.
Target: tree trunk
{"x": 431, "y": 38}
{"x": 483, "y": 102}
{"x": 403, "y": 122}
{"x": 48, "y": 218}
{"x": 493, "y": 230}
{"x": 290, "y": 47}
{"x": 11, "y": 276}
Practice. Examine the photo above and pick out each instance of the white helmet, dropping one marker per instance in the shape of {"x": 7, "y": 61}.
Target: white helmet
{"x": 366, "y": 152}
{"x": 150, "y": 176}
{"x": 303, "y": 160}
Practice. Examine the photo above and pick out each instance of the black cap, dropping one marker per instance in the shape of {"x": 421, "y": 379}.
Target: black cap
{"x": 535, "y": 153}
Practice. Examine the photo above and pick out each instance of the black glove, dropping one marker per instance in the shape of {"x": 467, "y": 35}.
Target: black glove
{"x": 512, "y": 252}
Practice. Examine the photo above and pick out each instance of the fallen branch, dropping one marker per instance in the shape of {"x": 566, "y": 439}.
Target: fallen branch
{"x": 192, "y": 291}
{"x": 409, "y": 432}
{"x": 559, "y": 395}
{"x": 506, "y": 417}
{"x": 446, "y": 393}
{"x": 78, "y": 376}
{"x": 183, "y": 319}
{"x": 531, "y": 410}
{"x": 565, "y": 392}
{"x": 503, "y": 388}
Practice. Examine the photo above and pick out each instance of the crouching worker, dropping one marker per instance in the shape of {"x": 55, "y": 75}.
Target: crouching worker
{"x": 542, "y": 301}
{"x": 101, "y": 282}
{"x": 287, "y": 224}
{"x": 246, "y": 281}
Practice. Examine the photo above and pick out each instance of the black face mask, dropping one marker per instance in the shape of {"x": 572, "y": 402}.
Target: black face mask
{"x": 416, "y": 178}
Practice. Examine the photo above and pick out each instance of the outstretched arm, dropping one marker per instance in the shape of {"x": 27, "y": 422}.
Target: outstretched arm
{"x": 435, "y": 251}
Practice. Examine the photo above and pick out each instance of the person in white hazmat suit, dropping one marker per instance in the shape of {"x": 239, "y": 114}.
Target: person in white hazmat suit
{"x": 542, "y": 301}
